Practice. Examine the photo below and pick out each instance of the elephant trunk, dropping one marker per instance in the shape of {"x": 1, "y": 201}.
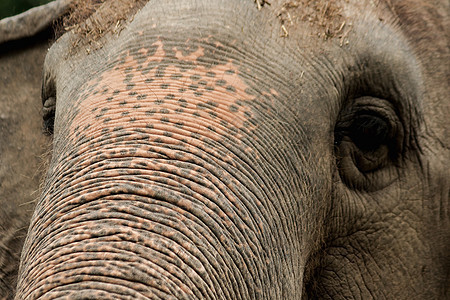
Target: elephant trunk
{"x": 158, "y": 194}
{"x": 134, "y": 231}
{"x": 171, "y": 176}
{"x": 142, "y": 210}
{"x": 157, "y": 223}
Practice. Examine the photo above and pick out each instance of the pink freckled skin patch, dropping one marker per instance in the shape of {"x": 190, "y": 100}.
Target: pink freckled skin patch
{"x": 274, "y": 92}
{"x": 219, "y": 44}
{"x": 198, "y": 97}
{"x": 191, "y": 57}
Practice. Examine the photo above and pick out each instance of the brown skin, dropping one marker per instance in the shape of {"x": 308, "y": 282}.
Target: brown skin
{"x": 198, "y": 154}
{"x": 22, "y": 148}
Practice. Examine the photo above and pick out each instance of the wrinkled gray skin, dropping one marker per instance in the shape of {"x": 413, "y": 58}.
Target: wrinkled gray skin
{"x": 199, "y": 154}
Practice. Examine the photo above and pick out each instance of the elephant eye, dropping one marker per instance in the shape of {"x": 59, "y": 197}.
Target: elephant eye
{"x": 48, "y": 96}
{"x": 368, "y": 137}
{"x": 48, "y": 109}
{"x": 369, "y": 132}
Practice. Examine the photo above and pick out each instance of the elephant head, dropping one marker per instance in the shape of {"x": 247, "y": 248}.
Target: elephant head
{"x": 240, "y": 150}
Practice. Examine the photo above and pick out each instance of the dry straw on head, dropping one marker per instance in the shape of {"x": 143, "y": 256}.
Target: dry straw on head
{"x": 91, "y": 19}
{"x": 325, "y": 15}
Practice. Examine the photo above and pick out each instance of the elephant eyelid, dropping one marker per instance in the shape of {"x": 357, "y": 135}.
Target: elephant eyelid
{"x": 48, "y": 95}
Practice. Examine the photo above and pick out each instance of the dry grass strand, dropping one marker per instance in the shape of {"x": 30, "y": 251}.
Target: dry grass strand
{"x": 92, "y": 19}
{"x": 325, "y": 15}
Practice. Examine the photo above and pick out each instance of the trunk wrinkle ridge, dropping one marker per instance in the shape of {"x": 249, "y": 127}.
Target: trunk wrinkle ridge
{"x": 99, "y": 185}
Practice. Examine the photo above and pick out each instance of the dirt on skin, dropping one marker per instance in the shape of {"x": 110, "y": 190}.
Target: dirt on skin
{"x": 91, "y": 19}
{"x": 323, "y": 14}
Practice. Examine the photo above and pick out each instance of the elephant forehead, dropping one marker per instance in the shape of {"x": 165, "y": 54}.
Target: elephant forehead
{"x": 152, "y": 86}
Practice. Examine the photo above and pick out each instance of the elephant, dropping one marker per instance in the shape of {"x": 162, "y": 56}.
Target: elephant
{"x": 239, "y": 149}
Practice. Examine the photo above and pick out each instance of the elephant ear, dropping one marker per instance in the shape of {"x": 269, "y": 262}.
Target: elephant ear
{"x": 24, "y": 40}
{"x": 32, "y": 21}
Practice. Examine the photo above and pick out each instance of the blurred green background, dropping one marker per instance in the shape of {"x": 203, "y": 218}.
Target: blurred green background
{"x": 14, "y": 7}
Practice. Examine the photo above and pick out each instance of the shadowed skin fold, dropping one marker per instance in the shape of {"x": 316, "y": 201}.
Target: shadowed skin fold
{"x": 194, "y": 158}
